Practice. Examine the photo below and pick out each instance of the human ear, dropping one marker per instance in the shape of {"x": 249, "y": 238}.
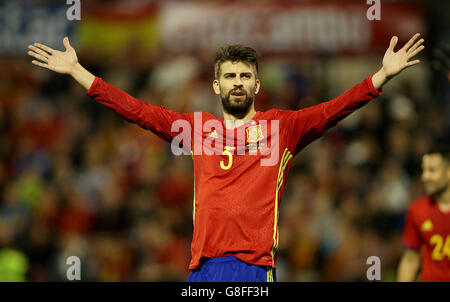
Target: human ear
{"x": 216, "y": 87}
{"x": 257, "y": 86}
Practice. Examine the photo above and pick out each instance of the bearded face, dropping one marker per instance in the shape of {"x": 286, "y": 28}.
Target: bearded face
{"x": 435, "y": 174}
{"x": 236, "y": 86}
{"x": 236, "y": 101}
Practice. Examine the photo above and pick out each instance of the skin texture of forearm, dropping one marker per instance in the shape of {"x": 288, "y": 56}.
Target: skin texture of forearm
{"x": 379, "y": 79}
{"x": 408, "y": 269}
{"x": 82, "y": 76}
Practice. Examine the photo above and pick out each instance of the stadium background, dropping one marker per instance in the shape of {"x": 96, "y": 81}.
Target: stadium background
{"x": 75, "y": 179}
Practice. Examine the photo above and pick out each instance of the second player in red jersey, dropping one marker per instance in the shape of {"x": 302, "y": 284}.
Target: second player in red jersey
{"x": 426, "y": 235}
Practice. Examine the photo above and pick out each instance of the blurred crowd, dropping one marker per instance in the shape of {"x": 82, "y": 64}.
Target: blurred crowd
{"x": 77, "y": 180}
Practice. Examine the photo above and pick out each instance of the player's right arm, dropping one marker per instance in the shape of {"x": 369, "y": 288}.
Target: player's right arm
{"x": 65, "y": 62}
{"x": 157, "y": 119}
{"x": 409, "y": 266}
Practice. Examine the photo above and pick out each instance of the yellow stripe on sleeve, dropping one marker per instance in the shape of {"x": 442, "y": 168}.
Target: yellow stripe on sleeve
{"x": 283, "y": 164}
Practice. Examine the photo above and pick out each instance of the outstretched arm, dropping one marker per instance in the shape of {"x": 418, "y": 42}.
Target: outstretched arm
{"x": 157, "y": 119}
{"x": 395, "y": 62}
{"x": 311, "y": 123}
{"x": 65, "y": 62}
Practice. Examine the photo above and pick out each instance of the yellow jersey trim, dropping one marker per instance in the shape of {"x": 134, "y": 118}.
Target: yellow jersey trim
{"x": 283, "y": 164}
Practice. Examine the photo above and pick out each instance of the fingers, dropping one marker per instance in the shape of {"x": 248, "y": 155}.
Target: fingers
{"x": 393, "y": 42}
{"x": 416, "y": 48}
{"x": 411, "y": 41}
{"x": 67, "y": 43}
{"x": 38, "y": 51}
{"x": 44, "y": 47}
{"x": 411, "y": 63}
{"x": 38, "y": 56}
{"x": 416, "y": 51}
{"x": 40, "y": 64}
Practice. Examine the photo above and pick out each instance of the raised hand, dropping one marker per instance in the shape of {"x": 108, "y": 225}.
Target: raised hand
{"x": 394, "y": 62}
{"x": 55, "y": 60}
{"x": 61, "y": 62}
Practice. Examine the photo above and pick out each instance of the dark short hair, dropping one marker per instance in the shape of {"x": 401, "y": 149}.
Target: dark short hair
{"x": 235, "y": 53}
{"x": 442, "y": 150}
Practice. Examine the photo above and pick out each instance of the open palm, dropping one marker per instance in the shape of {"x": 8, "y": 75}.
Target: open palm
{"x": 394, "y": 62}
{"x": 55, "y": 60}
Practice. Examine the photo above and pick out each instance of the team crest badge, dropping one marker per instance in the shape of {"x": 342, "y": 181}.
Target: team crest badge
{"x": 427, "y": 226}
{"x": 254, "y": 134}
{"x": 212, "y": 134}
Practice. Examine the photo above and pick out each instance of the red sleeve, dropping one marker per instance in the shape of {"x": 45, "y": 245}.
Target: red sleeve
{"x": 411, "y": 232}
{"x": 157, "y": 119}
{"x": 311, "y": 123}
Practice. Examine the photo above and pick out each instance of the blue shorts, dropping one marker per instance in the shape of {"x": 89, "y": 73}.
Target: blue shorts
{"x": 231, "y": 269}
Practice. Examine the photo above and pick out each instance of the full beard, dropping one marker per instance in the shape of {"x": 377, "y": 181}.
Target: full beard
{"x": 235, "y": 106}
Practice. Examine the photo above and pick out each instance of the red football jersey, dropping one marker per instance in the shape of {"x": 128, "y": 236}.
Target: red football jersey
{"x": 427, "y": 229}
{"x": 239, "y": 173}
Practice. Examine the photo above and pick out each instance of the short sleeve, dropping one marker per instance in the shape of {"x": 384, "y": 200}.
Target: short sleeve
{"x": 411, "y": 234}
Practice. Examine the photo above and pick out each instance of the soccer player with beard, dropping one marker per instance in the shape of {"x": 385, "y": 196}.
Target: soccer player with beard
{"x": 236, "y": 196}
{"x": 427, "y": 229}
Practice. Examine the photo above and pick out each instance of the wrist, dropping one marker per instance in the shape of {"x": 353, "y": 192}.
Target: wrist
{"x": 379, "y": 78}
{"x": 75, "y": 70}
{"x": 82, "y": 76}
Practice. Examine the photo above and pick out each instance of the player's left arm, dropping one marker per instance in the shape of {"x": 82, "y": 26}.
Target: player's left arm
{"x": 310, "y": 123}
{"x": 396, "y": 61}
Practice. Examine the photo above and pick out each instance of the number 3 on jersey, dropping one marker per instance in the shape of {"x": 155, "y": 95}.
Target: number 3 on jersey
{"x": 441, "y": 248}
{"x": 230, "y": 158}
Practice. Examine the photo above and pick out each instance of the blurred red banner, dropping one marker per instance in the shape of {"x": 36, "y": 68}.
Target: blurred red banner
{"x": 287, "y": 27}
